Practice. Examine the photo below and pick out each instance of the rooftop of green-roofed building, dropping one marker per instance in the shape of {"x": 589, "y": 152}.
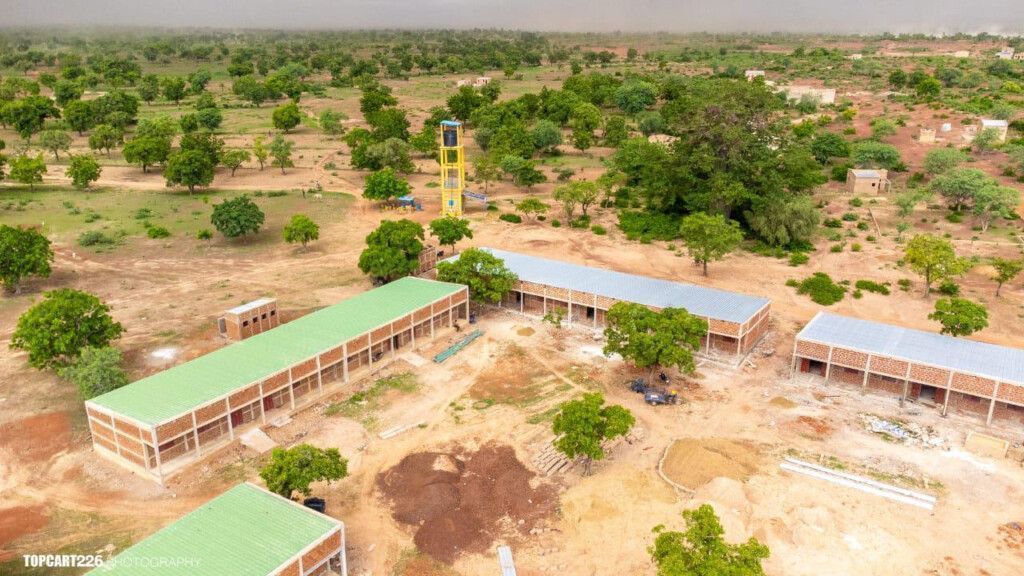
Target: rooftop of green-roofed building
{"x": 165, "y": 395}
{"x": 245, "y": 531}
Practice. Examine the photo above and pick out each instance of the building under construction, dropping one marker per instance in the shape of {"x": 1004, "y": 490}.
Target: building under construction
{"x": 160, "y": 424}
{"x": 957, "y": 374}
{"x": 583, "y": 294}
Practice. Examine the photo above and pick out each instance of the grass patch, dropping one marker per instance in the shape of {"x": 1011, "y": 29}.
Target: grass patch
{"x": 870, "y": 286}
{"x": 369, "y": 400}
{"x": 820, "y": 288}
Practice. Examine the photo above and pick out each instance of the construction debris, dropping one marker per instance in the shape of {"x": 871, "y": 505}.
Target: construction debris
{"x": 861, "y": 483}
{"x": 549, "y": 461}
{"x": 906, "y": 432}
{"x": 396, "y": 430}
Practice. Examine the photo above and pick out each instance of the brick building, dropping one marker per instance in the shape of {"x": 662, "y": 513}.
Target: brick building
{"x": 249, "y": 319}
{"x": 736, "y": 321}
{"x": 246, "y": 530}
{"x": 158, "y": 425}
{"x": 952, "y": 373}
{"x": 867, "y": 182}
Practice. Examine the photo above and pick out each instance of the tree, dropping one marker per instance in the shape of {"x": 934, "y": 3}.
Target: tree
{"x": 785, "y": 222}
{"x": 28, "y": 169}
{"x": 546, "y": 136}
{"x": 83, "y": 170}
{"x": 55, "y": 140}
{"x": 701, "y": 550}
{"x": 464, "y": 102}
{"x": 615, "y": 131}
{"x": 928, "y": 88}
{"x": 375, "y": 97}
{"x": 189, "y": 168}
{"x": 24, "y": 252}
{"x": 301, "y": 229}
{"x": 583, "y": 120}
{"x": 391, "y": 153}
{"x": 173, "y": 88}
{"x": 330, "y": 123}
{"x": 96, "y": 371}
{"x": 384, "y": 185}
{"x": 651, "y": 123}
{"x": 281, "y": 152}
{"x": 986, "y": 140}
{"x": 105, "y": 137}
{"x": 1006, "y": 271}
{"x": 942, "y": 160}
{"x": 709, "y": 237}
{"x": 259, "y": 151}
{"x": 532, "y": 207}
{"x": 959, "y": 316}
{"x": 829, "y": 145}
{"x": 286, "y": 116}
{"x": 907, "y": 201}
{"x": 994, "y": 201}
{"x": 934, "y": 259}
{"x": 449, "y": 230}
{"x": 634, "y": 96}
{"x": 871, "y": 154}
{"x": 209, "y": 118}
{"x": 486, "y": 169}
{"x": 149, "y": 88}
{"x": 486, "y": 275}
{"x": 80, "y": 115}
{"x": 580, "y": 426}
{"x": 960, "y": 185}
{"x": 389, "y": 123}
{"x": 654, "y": 339}
{"x": 293, "y": 469}
{"x": 67, "y": 91}
{"x": 234, "y": 158}
{"x": 28, "y": 115}
{"x": 392, "y": 250}
{"x": 522, "y": 171}
{"x": 56, "y": 330}
{"x": 237, "y": 217}
{"x": 147, "y": 150}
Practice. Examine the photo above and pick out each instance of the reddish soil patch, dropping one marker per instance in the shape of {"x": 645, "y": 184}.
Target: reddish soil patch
{"x": 17, "y": 522}
{"x": 461, "y": 501}
{"x": 811, "y": 426}
{"x": 510, "y": 379}
{"x": 37, "y": 438}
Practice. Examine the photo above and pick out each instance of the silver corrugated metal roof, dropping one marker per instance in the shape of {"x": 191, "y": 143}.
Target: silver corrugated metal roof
{"x": 707, "y": 302}
{"x": 994, "y": 123}
{"x": 997, "y": 362}
{"x": 241, "y": 308}
{"x": 859, "y": 173}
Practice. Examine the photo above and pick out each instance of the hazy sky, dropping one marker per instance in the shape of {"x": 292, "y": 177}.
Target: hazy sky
{"x": 930, "y": 16}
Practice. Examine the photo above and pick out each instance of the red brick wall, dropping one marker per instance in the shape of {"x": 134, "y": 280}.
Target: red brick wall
{"x": 128, "y": 428}
{"x": 276, "y": 382}
{"x": 421, "y": 314}
{"x": 1011, "y": 393}
{"x": 402, "y": 323}
{"x": 165, "y": 432}
{"x": 329, "y": 357}
{"x": 102, "y": 431}
{"x": 380, "y": 334}
{"x": 290, "y": 570}
{"x": 211, "y": 411}
{"x": 244, "y": 396}
{"x": 887, "y": 366}
{"x": 929, "y": 375}
{"x": 97, "y": 415}
{"x": 460, "y": 297}
{"x": 302, "y": 370}
{"x": 131, "y": 444}
{"x": 108, "y": 444}
{"x": 973, "y": 384}
{"x": 357, "y": 344}
{"x": 605, "y": 303}
{"x": 849, "y": 358}
{"x": 812, "y": 350}
{"x": 723, "y": 327}
{"x": 322, "y": 551}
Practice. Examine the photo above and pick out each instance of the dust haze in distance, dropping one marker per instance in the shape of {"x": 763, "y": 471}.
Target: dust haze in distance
{"x": 838, "y": 16}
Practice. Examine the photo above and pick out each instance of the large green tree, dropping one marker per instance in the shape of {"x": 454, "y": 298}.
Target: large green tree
{"x": 281, "y": 152}
{"x": 652, "y": 339}
{"x": 237, "y": 217}
{"x": 384, "y": 185}
{"x": 580, "y": 426}
{"x": 189, "y": 168}
{"x": 27, "y": 169}
{"x": 293, "y": 469}
{"x": 286, "y": 116}
{"x": 24, "y": 252}
{"x": 701, "y": 551}
{"x": 301, "y": 229}
{"x": 708, "y": 237}
{"x": 56, "y": 330}
{"x": 96, "y": 371}
{"x": 1006, "y": 270}
{"x": 147, "y": 150}
{"x": 392, "y": 250}
{"x": 484, "y": 273}
{"x": 960, "y": 185}
{"x": 934, "y": 259}
{"x": 55, "y": 140}
{"x": 83, "y": 170}
{"x": 449, "y": 230}
{"x": 959, "y": 316}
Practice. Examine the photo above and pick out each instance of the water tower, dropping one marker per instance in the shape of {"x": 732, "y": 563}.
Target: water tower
{"x": 453, "y": 168}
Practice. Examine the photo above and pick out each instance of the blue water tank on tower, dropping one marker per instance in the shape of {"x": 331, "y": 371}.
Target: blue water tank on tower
{"x": 450, "y": 133}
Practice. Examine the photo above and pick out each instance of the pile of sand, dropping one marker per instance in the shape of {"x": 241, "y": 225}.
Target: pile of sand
{"x": 460, "y": 501}
{"x": 692, "y": 462}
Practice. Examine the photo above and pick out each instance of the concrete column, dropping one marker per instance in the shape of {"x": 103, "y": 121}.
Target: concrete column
{"x": 263, "y": 410}
{"x": 344, "y": 363}
{"x": 195, "y": 434}
{"x": 949, "y": 391}
{"x": 992, "y": 405}
{"x": 867, "y": 373}
{"x": 231, "y": 427}
{"x": 707, "y": 337}
{"x": 522, "y": 299}
{"x": 828, "y": 364}
{"x": 156, "y": 451}
{"x": 906, "y": 385}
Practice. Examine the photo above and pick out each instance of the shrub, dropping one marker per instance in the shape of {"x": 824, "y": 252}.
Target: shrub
{"x": 204, "y": 234}
{"x": 871, "y": 286}
{"x": 949, "y": 288}
{"x": 857, "y": 294}
{"x": 870, "y": 238}
{"x": 862, "y": 226}
{"x": 598, "y": 229}
{"x": 556, "y": 223}
{"x": 792, "y": 283}
{"x": 95, "y": 238}
{"x": 856, "y": 202}
{"x": 834, "y": 237}
{"x": 839, "y": 172}
{"x": 580, "y": 222}
{"x": 850, "y": 217}
{"x": 821, "y": 289}
{"x": 836, "y": 248}
{"x": 832, "y": 223}
{"x": 512, "y": 218}
{"x": 648, "y": 225}
{"x": 143, "y": 213}
{"x": 856, "y": 247}
{"x": 954, "y": 217}
{"x": 277, "y": 193}
{"x": 158, "y": 232}
{"x": 798, "y": 258}
{"x": 904, "y": 284}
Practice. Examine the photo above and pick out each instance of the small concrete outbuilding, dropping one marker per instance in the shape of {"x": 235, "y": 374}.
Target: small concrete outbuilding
{"x": 1000, "y": 126}
{"x": 249, "y": 319}
{"x": 867, "y": 181}
{"x": 751, "y": 74}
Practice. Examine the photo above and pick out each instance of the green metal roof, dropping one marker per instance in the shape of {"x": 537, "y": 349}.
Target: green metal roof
{"x": 178, "y": 390}
{"x": 245, "y": 531}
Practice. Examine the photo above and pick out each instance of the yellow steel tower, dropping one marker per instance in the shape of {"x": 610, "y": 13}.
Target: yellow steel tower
{"x": 453, "y": 168}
